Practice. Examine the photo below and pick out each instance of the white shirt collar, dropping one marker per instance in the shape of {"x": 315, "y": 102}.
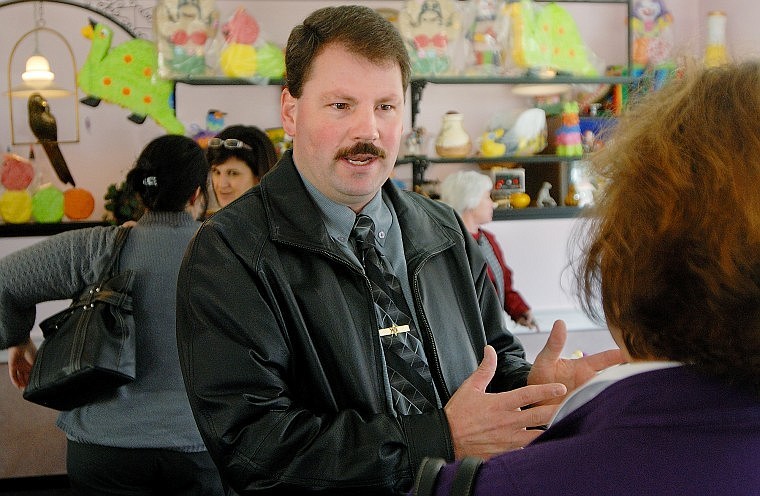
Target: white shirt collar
{"x": 602, "y": 381}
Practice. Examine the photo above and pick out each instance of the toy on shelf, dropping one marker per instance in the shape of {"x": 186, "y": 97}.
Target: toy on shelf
{"x": 519, "y": 199}
{"x": 453, "y": 141}
{"x": 25, "y": 200}
{"x": 546, "y": 39}
{"x": 430, "y": 29}
{"x": 245, "y": 54}
{"x": 486, "y": 34}
{"x": 526, "y": 136}
{"x": 16, "y": 172}
{"x": 184, "y": 31}
{"x": 544, "y": 198}
{"x": 651, "y": 26}
{"x": 78, "y": 203}
{"x": 215, "y": 120}
{"x": 568, "y": 137}
{"x": 126, "y": 75}
{"x": 47, "y": 204}
{"x": 491, "y": 145}
{"x": 715, "y": 52}
{"x": 414, "y": 142}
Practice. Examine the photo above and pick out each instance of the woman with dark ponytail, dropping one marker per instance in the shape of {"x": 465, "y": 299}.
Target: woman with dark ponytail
{"x": 142, "y": 439}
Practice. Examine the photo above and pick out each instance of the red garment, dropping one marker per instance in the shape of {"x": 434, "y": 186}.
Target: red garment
{"x": 514, "y": 304}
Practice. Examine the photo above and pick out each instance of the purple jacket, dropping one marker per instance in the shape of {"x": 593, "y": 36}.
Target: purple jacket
{"x": 665, "y": 432}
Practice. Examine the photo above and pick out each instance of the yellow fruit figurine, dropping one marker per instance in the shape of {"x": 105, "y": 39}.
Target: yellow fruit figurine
{"x": 519, "y": 200}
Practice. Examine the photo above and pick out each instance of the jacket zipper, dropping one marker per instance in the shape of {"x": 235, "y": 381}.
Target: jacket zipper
{"x": 436, "y": 373}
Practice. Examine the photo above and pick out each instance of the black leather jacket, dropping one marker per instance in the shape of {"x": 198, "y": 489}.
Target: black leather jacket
{"x": 278, "y": 342}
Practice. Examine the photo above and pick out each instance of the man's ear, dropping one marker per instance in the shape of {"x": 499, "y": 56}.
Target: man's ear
{"x": 288, "y": 112}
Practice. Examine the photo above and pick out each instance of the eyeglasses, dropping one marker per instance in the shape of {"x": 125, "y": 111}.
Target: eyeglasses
{"x": 230, "y": 144}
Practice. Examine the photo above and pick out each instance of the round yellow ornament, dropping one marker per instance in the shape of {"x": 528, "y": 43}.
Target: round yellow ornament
{"x": 16, "y": 206}
{"x": 238, "y": 60}
{"x": 519, "y": 200}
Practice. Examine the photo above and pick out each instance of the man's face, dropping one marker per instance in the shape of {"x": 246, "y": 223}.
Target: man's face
{"x": 347, "y": 125}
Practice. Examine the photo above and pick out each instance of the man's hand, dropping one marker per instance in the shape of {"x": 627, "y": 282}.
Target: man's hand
{"x": 549, "y": 367}
{"x": 484, "y": 424}
{"x": 20, "y": 361}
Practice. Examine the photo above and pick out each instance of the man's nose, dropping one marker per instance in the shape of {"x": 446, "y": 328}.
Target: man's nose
{"x": 365, "y": 124}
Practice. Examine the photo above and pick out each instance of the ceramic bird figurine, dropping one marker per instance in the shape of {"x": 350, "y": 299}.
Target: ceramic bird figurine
{"x": 45, "y": 129}
{"x": 215, "y": 120}
{"x": 126, "y": 75}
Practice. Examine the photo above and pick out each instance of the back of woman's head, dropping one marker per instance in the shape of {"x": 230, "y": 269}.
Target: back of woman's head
{"x": 168, "y": 172}
{"x": 464, "y": 190}
{"x": 675, "y": 234}
{"x": 261, "y": 156}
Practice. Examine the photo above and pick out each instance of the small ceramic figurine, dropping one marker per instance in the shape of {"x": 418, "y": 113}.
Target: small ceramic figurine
{"x": 453, "y": 140}
{"x": 568, "y": 136}
{"x": 544, "y": 198}
{"x": 414, "y": 143}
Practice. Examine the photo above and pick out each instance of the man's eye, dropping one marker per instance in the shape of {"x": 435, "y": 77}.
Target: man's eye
{"x": 340, "y": 106}
{"x": 386, "y": 106}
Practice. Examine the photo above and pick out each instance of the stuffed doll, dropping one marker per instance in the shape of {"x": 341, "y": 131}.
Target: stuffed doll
{"x": 184, "y": 31}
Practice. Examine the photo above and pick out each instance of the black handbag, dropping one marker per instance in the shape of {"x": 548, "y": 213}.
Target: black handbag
{"x": 89, "y": 348}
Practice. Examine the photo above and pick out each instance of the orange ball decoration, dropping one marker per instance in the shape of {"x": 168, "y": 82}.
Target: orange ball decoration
{"x": 78, "y": 203}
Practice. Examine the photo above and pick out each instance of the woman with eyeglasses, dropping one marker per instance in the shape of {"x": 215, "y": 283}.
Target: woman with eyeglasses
{"x": 238, "y": 156}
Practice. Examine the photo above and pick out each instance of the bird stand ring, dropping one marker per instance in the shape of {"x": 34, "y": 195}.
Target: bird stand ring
{"x": 66, "y": 111}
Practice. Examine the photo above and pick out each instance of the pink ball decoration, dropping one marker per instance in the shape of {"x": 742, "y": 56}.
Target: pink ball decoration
{"x": 17, "y": 172}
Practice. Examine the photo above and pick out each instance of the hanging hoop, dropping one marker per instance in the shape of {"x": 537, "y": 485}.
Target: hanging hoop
{"x": 28, "y": 91}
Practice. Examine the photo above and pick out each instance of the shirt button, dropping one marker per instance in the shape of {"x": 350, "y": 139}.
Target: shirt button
{"x": 381, "y": 235}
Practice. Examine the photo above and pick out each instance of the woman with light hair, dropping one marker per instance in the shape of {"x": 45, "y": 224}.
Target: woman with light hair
{"x": 469, "y": 193}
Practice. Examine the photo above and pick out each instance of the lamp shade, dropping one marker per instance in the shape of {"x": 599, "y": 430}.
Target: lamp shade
{"x": 37, "y": 70}
{"x": 38, "y": 78}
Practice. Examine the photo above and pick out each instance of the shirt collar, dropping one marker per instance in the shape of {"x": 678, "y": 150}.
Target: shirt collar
{"x": 339, "y": 219}
{"x": 602, "y": 381}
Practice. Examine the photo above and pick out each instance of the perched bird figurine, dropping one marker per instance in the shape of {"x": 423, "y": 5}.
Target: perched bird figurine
{"x": 45, "y": 129}
{"x": 215, "y": 120}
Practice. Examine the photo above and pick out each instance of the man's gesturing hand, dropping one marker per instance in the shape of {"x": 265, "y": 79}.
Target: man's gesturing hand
{"x": 486, "y": 424}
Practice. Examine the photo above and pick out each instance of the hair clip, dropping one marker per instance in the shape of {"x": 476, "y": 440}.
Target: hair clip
{"x": 150, "y": 181}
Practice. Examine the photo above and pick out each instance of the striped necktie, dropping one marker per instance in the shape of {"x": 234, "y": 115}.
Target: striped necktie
{"x": 412, "y": 388}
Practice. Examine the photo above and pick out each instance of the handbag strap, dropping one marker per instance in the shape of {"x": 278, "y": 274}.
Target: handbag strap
{"x": 424, "y": 483}
{"x": 464, "y": 478}
{"x": 112, "y": 265}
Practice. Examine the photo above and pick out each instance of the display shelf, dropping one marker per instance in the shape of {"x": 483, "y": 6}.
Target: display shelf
{"x": 35, "y": 229}
{"x": 421, "y": 163}
{"x": 228, "y": 81}
{"x": 517, "y": 159}
{"x": 533, "y": 213}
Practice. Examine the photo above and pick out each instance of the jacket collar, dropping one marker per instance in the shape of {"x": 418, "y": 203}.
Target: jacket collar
{"x": 294, "y": 218}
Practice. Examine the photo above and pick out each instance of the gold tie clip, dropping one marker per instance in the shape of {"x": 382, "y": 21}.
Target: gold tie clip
{"x": 393, "y": 330}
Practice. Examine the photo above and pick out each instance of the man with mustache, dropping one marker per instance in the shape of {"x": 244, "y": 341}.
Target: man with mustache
{"x": 331, "y": 326}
